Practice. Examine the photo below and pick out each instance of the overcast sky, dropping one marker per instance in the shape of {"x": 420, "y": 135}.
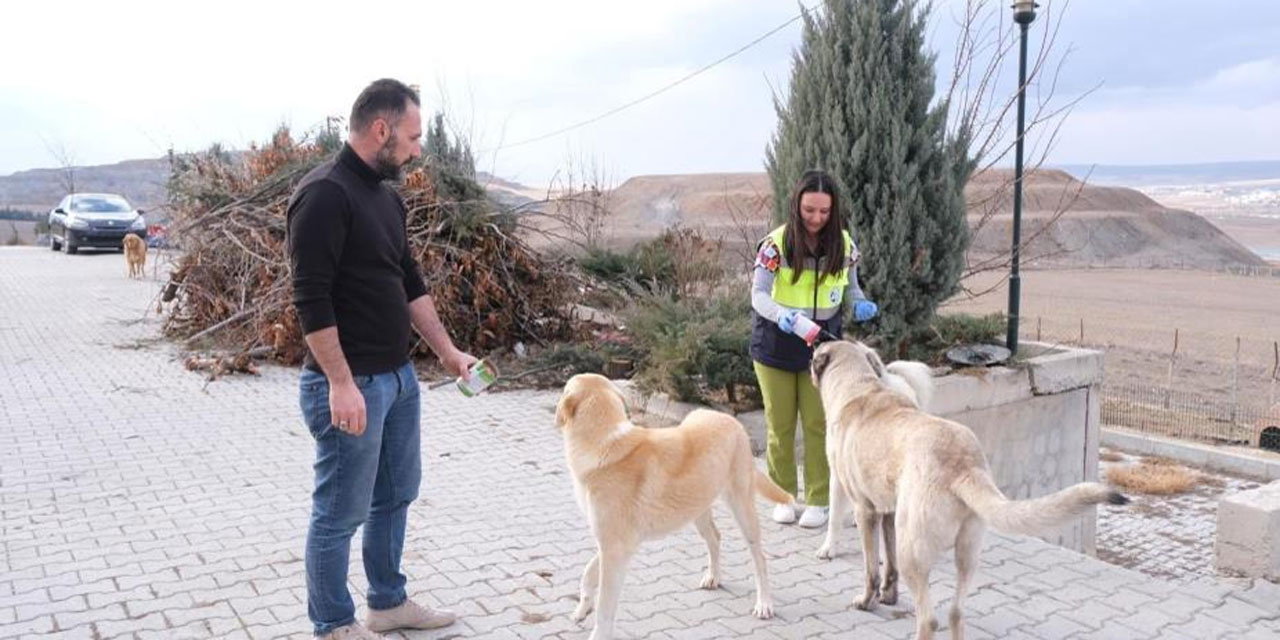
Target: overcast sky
{"x": 1181, "y": 80}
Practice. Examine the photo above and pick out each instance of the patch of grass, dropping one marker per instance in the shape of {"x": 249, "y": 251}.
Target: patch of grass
{"x": 694, "y": 348}
{"x": 553, "y": 366}
{"x": 946, "y": 331}
{"x": 608, "y": 264}
{"x": 646, "y": 268}
{"x": 679, "y": 261}
{"x": 1154, "y": 476}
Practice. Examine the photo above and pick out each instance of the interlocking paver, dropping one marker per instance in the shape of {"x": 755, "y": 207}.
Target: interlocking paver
{"x": 1207, "y": 627}
{"x": 35, "y": 626}
{"x": 137, "y": 501}
{"x": 1166, "y": 536}
{"x": 126, "y": 628}
{"x": 71, "y": 620}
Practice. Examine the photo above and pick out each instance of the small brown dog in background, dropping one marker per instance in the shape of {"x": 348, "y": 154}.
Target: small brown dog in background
{"x": 135, "y": 254}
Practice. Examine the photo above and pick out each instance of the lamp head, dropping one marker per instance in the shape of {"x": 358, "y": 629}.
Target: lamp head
{"x": 1024, "y": 11}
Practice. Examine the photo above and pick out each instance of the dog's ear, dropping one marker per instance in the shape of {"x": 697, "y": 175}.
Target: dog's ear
{"x": 821, "y": 360}
{"x": 877, "y": 365}
{"x": 566, "y": 408}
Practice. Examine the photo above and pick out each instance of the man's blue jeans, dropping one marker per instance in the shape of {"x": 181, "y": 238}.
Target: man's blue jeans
{"x": 368, "y": 479}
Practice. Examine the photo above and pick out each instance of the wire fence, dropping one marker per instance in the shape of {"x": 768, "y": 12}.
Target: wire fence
{"x": 1194, "y": 385}
{"x": 1168, "y": 263}
{"x": 1183, "y": 414}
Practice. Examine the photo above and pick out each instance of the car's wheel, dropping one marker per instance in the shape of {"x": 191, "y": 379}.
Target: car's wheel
{"x": 54, "y": 244}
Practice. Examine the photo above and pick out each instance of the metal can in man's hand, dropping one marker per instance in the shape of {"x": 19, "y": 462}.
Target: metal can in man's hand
{"x": 478, "y": 378}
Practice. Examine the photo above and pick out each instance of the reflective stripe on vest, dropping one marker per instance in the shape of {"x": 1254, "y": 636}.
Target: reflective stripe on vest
{"x": 801, "y": 294}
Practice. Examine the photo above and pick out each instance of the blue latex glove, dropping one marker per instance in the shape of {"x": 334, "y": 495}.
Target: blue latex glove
{"x": 787, "y": 321}
{"x": 864, "y": 310}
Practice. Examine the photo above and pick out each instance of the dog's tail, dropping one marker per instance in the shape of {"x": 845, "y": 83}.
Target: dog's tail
{"x": 918, "y": 379}
{"x": 981, "y": 494}
{"x": 769, "y": 490}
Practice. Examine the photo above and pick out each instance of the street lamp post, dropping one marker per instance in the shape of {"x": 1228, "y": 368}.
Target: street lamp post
{"x": 1024, "y": 12}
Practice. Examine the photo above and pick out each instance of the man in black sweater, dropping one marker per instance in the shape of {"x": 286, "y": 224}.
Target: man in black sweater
{"x": 358, "y": 292}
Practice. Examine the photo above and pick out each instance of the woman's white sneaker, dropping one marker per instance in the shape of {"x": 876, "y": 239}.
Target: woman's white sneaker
{"x": 813, "y": 517}
{"x": 784, "y": 514}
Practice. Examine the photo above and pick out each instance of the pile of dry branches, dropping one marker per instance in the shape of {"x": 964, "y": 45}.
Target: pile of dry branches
{"x": 230, "y": 290}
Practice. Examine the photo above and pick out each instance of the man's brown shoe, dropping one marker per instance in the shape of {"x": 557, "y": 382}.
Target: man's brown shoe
{"x": 409, "y": 615}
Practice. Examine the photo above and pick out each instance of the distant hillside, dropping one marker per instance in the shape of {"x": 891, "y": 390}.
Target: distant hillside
{"x": 1102, "y": 226}
{"x": 1176, "y": 174}
{"x": 507, "y": 193}
{"x": 141, "y": 182}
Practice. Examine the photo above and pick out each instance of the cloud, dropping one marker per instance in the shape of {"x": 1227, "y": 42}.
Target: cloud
{"x": 132, "y": 78}
{"x": 135, "y": 77}
{"x": 1170, "y": 133}
{"x": 1230, "y": 114}
{"x": 1253, "y": 82}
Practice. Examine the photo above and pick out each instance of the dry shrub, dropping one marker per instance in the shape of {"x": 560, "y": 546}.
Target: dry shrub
{"x": 1154, "y": 476}
{"x": 680, "y": 261}
{"x": 1111, "y": 456}
{"x": 231, "y": 286}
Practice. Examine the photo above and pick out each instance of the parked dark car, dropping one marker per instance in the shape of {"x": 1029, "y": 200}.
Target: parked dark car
{"x": 97, "y": 220}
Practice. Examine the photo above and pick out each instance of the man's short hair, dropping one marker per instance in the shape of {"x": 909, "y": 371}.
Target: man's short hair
{"x": 385, "y": 98}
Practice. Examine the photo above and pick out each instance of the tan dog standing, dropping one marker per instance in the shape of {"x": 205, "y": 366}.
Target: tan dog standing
{"x": 135, "y": 255}
{"x": 636, "y": 484}
{"x": 925, "y": 477}
{"x": 914, "y": 381}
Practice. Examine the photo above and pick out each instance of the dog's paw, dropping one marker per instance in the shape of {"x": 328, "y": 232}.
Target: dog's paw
{"x": 763, "y": 610}
{"x": 826, "y": 552}
{"x": 709, "y": 581}
{"x": 889, "y": 588}
{"x": 582, "y": 611}
{"x": 865, "y": 602}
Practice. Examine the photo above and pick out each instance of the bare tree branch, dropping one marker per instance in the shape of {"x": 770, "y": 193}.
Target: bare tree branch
{"x": 986, "y": 55}
{"x": 66, "y": 160}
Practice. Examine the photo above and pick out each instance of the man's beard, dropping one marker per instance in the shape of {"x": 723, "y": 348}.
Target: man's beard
{"x": 384, "y": 164}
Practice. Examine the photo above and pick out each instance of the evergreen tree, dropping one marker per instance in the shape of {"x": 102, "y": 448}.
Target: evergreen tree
{"x": 464, "y": 203}
{"x": 449, "y": 155}
{"x": 859, "y": 108}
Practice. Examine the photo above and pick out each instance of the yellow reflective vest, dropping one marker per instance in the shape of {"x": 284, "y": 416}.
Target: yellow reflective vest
{"x": 820, "y": 295}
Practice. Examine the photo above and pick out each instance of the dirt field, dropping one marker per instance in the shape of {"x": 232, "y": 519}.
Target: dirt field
{"x": 24, "y": 231}
{"x": 1134, "y": 315}
{"x": 1260, "y": 234}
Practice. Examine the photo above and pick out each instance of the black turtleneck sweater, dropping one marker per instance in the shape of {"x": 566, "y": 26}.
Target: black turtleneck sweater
{"x": 351, "y": 263}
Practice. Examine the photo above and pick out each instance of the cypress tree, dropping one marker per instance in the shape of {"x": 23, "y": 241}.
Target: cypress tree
{"x": 860, "y": 108}
{"x": 463, "y": 202}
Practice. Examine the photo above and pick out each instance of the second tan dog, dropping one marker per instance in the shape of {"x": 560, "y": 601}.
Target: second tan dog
{"x": 924, "y": 478}
{"x": 135, "y": 255}
{"x": 636, "y": 484}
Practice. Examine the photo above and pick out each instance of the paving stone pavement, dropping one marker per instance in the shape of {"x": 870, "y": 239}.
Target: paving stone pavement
{"x": 138, "y": 502}
{"x": 1169, "y": 537}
